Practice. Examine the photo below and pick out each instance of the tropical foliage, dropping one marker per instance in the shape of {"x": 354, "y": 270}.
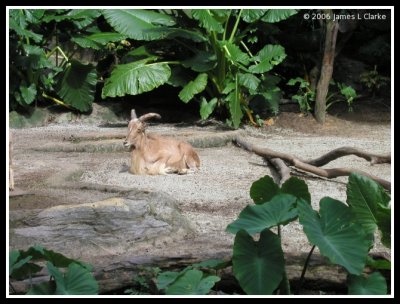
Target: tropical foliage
{"x": 76, "y": 279}
{"x": 344, "y": 233}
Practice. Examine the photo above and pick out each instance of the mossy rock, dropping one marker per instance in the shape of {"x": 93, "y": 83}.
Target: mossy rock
{"x": 38, "y": 117}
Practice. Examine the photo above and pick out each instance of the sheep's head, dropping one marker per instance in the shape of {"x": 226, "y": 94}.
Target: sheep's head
{"x": 136, "y": 127}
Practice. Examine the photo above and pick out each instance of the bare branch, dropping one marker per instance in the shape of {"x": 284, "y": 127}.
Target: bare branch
{"x": 299, "y": 164}
{"x": 344, "y": 151}
{"x": 283, "y": 170}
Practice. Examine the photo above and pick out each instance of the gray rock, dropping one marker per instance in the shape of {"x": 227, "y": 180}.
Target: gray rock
{"x": 112, "y": 226}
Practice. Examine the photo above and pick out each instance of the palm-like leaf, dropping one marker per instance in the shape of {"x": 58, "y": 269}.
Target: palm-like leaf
{"x": 138, "y": 24}
{"x": 135, "y": 78}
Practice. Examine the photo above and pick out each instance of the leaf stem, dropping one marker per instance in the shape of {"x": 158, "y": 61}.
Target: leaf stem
{"x": 303, "y": 273}
{"x": 235, "y": 26}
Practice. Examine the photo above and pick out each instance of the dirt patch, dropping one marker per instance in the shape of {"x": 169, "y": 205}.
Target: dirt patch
{"x": 365, "y": 118}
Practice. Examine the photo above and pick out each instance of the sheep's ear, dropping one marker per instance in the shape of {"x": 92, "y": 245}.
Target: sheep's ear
{"x": 133, "y": 114}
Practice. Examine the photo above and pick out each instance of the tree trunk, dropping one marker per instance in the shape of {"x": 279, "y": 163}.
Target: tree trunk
{"x": 327, "y": 67}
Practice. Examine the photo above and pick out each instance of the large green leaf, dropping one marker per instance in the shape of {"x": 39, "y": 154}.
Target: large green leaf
{"x": 269, "y": 56}
{"x": 234, "y": 53}
{"x": 369, "y": 202}
{"x": 249, "y": 81}
{"x": 335, "y": 233}
{"x": 77, "y": 86}
{"x": 206, "y": 108}
{"x": 276, "y": 15}
{"x": 193, "y": 87}
{"x": 76, "y": 281}
{"x": 201, "y": 62}
{"x": 251, "y": 15}
{"x": 258, "y": 266}
{"x": 373, "y": 284}
{"x": 135, "y": 78}
{"x": 263, "y": 190}
{"x": 192, "y": 282}
{"x": 234, "y": 105}
{"x": 280, "y": 210}
{"x": 138, "y": 24}
{"x": 28, "y": 93}
{"x": 207, "y": 21}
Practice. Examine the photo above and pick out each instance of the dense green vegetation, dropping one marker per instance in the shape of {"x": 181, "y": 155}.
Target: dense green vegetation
{"x": 236, "y": 64}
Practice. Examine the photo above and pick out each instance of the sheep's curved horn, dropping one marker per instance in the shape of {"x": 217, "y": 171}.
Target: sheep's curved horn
{"x": 133, "y": 114}
{"x": 149, "y": 116}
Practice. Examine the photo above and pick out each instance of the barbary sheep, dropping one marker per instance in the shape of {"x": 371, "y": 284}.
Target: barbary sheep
{"x": 154, "y": 154}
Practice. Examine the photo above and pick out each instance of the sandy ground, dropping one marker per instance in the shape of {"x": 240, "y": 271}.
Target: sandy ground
{"x": 212, "y": 197}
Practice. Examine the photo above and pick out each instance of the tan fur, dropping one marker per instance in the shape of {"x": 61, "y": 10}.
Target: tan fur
{"x": 153, "y": 154}
{"x": 10, "y": 164}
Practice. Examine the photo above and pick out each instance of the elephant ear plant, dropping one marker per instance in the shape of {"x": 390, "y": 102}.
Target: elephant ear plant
{"x": 344, "y": 233}
{"x": 208, "y": 53}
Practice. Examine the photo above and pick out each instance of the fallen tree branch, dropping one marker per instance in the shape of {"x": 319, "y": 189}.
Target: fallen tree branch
{"x": 344, "y": 151}
{"x": 282, "y": 168}
{"x": 300, "y": 164}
